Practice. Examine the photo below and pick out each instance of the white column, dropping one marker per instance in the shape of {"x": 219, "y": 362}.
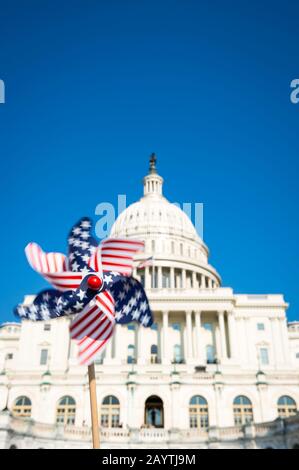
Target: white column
{"x": 277, "y": 342}
{"x": 130, "y": 406}
{"x": 245, "y": 346}
{"x": 222, "y": 335}
{"x": 232, "y": 334}
{"x": 199, "y": 338}
{"x": 189, "y": 334}
{"x": 285, "y": 340}
{"x": 108, "y": 351}
{"x": 175, "y": 416}
{"x": 172, "y": 278}
{"x": 117, "y": 338}
{"x": 141, "y": 349}
{"x": 165, "y": 355}
{"x": 273, "y": 337}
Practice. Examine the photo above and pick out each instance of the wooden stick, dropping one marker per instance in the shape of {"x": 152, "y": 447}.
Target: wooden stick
{"x": 93, "y": 407}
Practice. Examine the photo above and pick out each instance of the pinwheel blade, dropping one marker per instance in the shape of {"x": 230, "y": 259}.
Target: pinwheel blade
{"x": 52, "y": 303}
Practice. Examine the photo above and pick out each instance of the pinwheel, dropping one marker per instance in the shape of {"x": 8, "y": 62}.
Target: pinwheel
{"x": 93, "y": 284}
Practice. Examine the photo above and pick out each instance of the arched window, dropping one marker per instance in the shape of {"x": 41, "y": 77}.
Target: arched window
{"x": 66, "y": 411}
{"x": 131, "y": 354}
{"x": 243, "y": 412}
{"x": 198, "y": 412}
{"x": 286, "y": 406}
{"x": 110, "y": 412}
{"x": 154, "y": 354}
{"x": 22, "y": 407}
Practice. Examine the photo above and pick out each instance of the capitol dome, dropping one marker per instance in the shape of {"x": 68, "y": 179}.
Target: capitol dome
{"x": 168, "y": 233}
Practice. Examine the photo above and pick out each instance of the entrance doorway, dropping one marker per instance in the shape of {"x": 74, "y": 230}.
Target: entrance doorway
{"x": 154, "y": 412}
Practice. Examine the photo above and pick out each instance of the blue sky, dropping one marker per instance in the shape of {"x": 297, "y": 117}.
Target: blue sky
{"x": 93, "y": 87}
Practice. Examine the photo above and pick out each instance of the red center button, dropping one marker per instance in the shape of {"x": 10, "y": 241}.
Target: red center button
{"x": 94, "y": 282}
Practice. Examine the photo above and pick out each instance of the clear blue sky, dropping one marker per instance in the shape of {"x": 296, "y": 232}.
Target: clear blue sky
{"x": 93, "y": 87}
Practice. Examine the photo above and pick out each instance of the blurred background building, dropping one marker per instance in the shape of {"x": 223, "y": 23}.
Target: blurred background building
{"x": 216, "y": 369}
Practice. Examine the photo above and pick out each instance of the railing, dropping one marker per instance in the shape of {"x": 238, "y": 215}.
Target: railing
{"x": 115, "y": 434}
{"x": 153, "y": 434}
{"x": 231, "y": 433}
{"x": 29, "y": 427}
{"x": 194, "y": 434}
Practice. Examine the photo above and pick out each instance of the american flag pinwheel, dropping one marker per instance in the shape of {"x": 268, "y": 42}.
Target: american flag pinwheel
{"x": 93, "y": 283}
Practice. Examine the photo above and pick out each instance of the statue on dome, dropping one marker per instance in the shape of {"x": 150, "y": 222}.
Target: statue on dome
{"x": 153, "y": 161}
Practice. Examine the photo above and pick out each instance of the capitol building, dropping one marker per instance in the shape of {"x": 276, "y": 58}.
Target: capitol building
{"x": 216, "y": 369}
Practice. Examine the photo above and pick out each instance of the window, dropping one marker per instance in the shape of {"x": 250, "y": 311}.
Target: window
{"x": 165, "y": 277}
{"x": 260, "y": 326}
{"x": 242, "y": 408}
{"x": 177, "y": 353}
{"x": 210, "y": 354}
{"x": 131, "y": 326}
{"x": 131, "y": 354}
{"x": 153, "y": 245}
{"x": 264, "y": 356}
{"x": 198, "y": 412}
{"x": 9, "y": 356}
{"x": 286, "y": 406}
{"x": 110, "y": 412}
{"x": 66, "y": 411}
{"x": 154, "y": 327}
{"x": 176, "y": 326}
{"x": 178, "y": 278}
{"x": 43, "y": 357}
{"x": 188, "y": 279}
{"x": 181, "y": 249}
{"x": 172, "y": 247}
{"x": 154, "y": 354}
{"x": 297, "y": 355}
{"x": 22, "y": 407}
{"x": 47, "y": 327}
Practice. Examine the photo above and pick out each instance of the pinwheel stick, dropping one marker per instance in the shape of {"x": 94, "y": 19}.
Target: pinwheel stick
{"x": 93, "y": 407}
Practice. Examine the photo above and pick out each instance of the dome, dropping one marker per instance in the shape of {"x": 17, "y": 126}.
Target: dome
{"x": 155, "y": 215}
{"x": 166, "y": 229}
